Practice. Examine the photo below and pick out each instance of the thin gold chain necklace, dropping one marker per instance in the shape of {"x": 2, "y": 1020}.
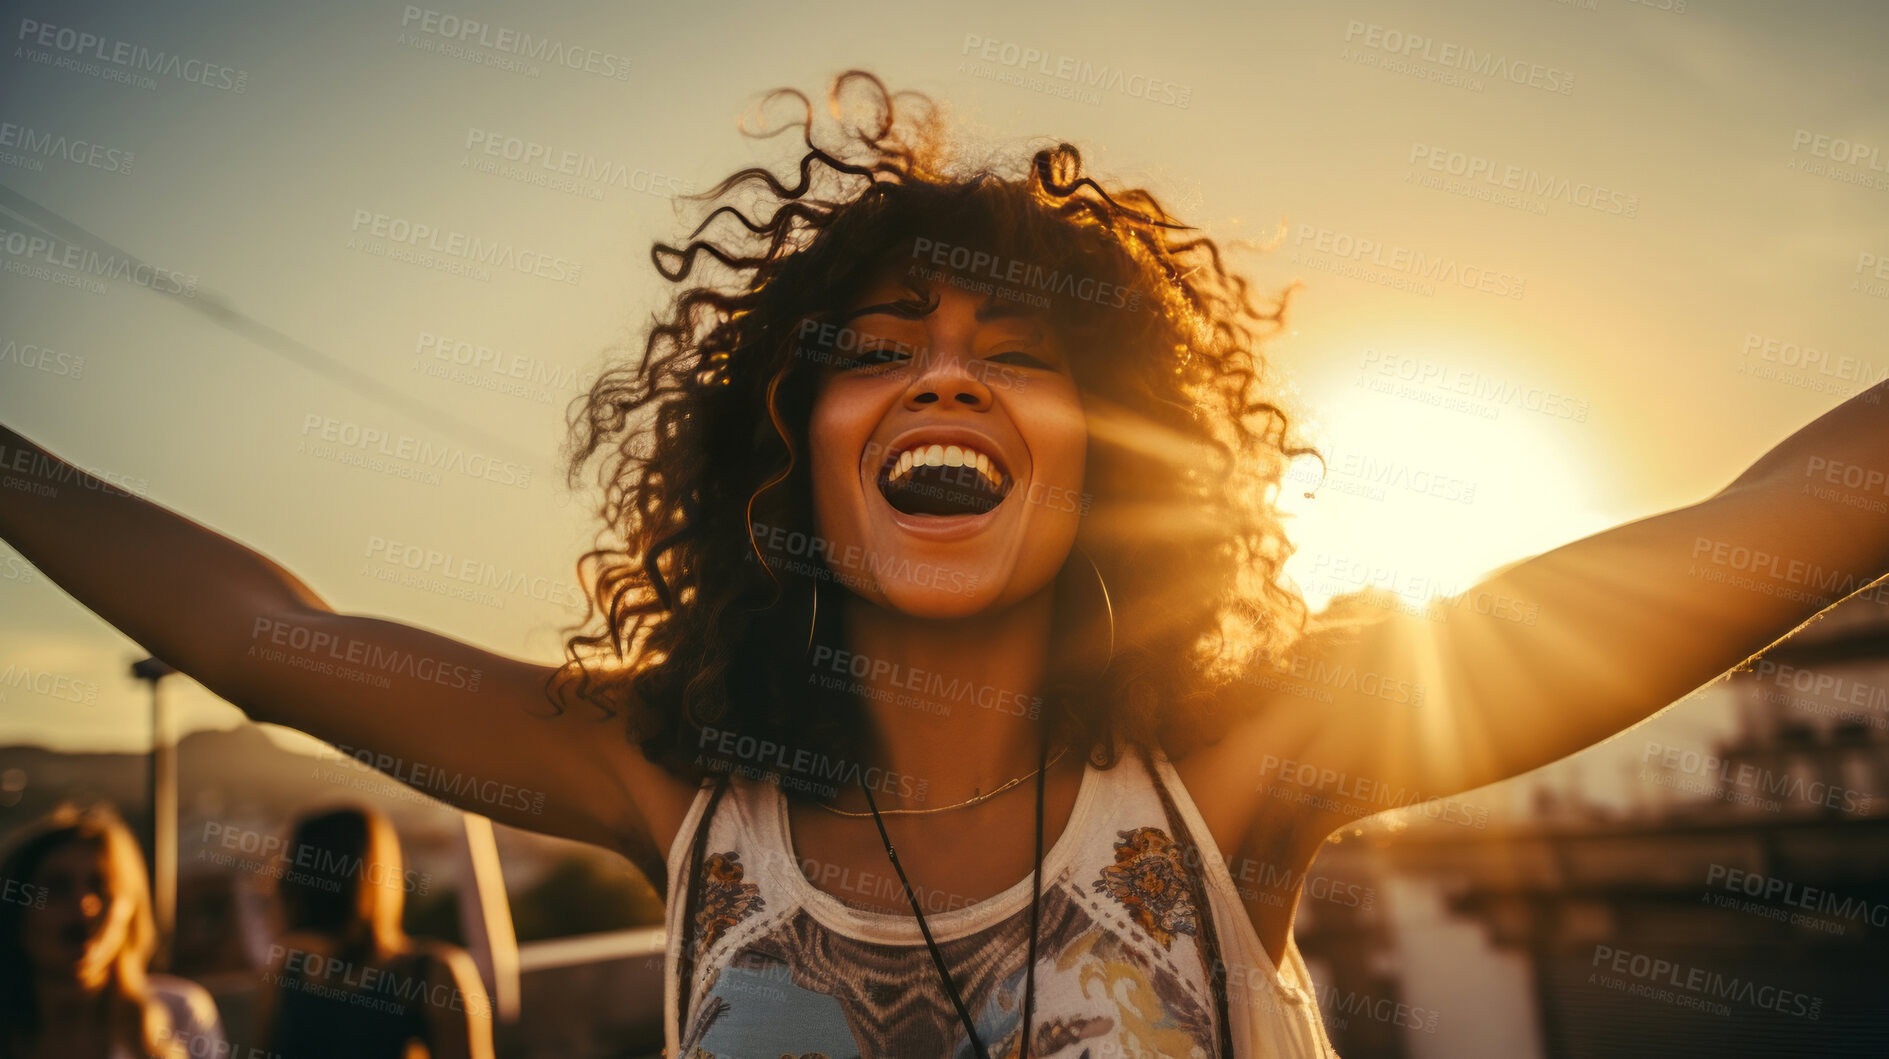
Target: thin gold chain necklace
{"x": 973, "y": 800}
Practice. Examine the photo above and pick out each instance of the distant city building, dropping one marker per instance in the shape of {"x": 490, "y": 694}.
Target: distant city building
{"x": 1740, "y": 907}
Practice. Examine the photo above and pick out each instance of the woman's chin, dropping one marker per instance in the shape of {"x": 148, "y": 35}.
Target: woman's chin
{"x": 952, "y": 595}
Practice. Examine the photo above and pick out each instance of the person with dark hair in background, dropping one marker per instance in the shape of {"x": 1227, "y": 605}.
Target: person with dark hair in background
{"x": 347, "y": 980}
{"x": 76, "y": 937}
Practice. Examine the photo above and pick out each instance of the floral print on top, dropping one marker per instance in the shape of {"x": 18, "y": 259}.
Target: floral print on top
{"x": 1149, "y": 879}
{"x": 726, "y": 899}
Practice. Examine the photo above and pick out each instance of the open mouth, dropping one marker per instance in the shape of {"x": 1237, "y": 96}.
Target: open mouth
{"x": 943, "y": 480}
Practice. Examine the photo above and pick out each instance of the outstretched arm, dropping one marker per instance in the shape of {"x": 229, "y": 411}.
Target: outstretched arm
{"x": 472, "y": 728}
{"x": 1560, "y": 651}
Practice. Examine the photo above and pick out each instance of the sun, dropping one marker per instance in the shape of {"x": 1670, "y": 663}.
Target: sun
{"x": 1426, "y": 490}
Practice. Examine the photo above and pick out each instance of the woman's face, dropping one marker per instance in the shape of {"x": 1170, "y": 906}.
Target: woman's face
{"x": 947, "y": 446}
{"x": 83, "y": 924}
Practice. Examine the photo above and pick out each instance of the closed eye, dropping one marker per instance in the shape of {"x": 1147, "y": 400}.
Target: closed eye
{"x": 876, "y": 358}
{"x": 1022, "y": 359}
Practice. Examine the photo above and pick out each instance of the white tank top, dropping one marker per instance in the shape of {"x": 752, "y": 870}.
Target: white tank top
{"x": 783, "y": 967}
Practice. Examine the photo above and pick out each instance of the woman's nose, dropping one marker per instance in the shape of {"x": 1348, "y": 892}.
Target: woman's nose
{"x": 947, "y": 379}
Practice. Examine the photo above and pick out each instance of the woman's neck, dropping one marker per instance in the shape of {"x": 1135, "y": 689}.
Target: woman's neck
{"x": 956, "y": 704}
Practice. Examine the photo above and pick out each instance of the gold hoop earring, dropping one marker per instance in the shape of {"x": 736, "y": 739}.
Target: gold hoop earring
{"x": 1108, "y": 607}
{"x": 814, "y": 622}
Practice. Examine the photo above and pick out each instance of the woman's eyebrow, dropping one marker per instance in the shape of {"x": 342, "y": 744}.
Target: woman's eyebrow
{"x": 920, "y": 305}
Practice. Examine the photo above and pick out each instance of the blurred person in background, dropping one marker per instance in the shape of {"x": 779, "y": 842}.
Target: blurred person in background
{"x": 344, "y": 979}
{"x": 76, "y": 937}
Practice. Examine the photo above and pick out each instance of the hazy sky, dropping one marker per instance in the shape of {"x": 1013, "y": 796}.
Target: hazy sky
{"x": 1627, "y": 269}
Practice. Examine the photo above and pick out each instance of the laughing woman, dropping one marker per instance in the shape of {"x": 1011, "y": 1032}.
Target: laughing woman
{"x": 930, "y": 664}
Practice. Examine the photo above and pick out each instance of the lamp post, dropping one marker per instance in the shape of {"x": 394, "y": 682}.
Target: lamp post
{"x": 163, "y": 800}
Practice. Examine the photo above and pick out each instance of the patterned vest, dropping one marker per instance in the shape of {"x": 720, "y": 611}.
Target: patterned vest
{"x": 784, "y": 968}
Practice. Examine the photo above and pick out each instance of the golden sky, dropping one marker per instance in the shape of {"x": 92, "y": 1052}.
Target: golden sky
{"x": 1563, "y": 265}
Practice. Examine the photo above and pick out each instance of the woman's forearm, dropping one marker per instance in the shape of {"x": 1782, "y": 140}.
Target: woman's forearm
{"x": 185, "y": 593}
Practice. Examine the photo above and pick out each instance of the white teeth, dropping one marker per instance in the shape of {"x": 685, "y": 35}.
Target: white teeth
{"x": 947, "y": 456}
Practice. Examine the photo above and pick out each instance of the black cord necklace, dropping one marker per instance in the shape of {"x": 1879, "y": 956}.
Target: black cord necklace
{"x": 1210, "y": 950}
{"x": 1036, "y": 901}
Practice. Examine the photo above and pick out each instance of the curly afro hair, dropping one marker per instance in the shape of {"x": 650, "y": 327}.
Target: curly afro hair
{"x": 692, "y": 627}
